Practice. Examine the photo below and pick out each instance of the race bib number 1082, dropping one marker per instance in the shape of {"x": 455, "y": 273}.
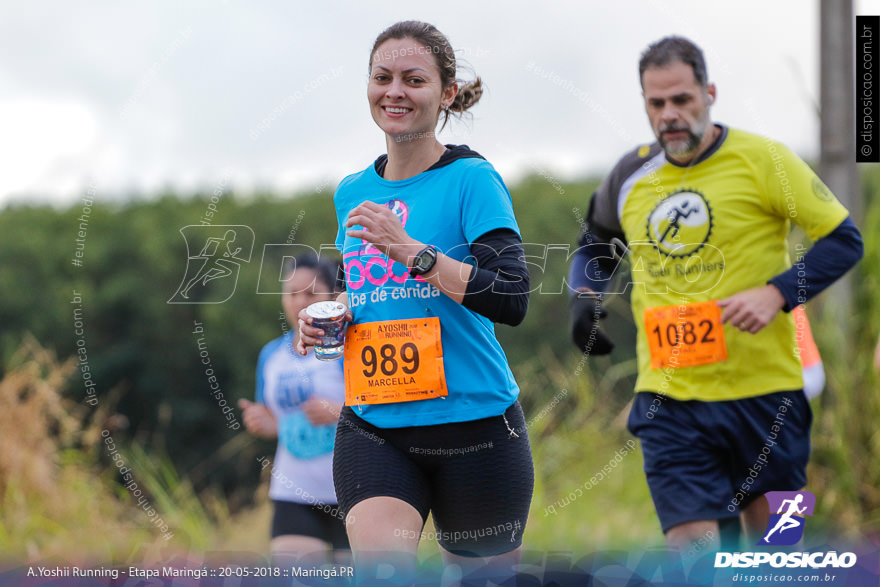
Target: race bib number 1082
{"x": 685, "y": 335}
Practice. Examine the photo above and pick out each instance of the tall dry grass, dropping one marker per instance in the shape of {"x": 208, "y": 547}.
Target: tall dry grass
{"x": 59, "y": 496}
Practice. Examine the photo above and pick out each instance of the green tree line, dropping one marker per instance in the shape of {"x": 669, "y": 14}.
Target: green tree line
{"x": 108, "y": 270}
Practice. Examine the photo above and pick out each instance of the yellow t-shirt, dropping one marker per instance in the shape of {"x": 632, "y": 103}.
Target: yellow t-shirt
{"x": 705, "y": 232}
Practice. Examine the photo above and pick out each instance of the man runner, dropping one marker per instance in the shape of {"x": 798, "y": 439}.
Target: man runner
{"x": 704, "y": 214}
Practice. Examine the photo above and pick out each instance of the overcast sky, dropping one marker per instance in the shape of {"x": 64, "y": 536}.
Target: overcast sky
{"x": 134, "y": 97}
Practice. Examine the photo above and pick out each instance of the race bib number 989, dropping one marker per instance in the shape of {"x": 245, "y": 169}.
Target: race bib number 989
{"x": 394, "y": 361}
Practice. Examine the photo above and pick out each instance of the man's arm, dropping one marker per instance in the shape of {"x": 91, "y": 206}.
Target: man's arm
{"x": 826, "y": 261}
{"x": 591, "y": 270}
{"x": 595, "y": 260}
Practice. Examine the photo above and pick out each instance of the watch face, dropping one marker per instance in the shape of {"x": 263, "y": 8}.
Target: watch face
{"x": 424, "y": 261}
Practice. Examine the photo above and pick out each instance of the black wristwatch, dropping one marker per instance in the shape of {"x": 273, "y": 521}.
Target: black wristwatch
{"x": 424, "y": 261}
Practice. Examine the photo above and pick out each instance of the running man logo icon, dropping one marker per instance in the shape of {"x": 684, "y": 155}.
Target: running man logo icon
{"x": 221, "y": 251}
{"x": 680, "y": 224}
{"x": 786, "y": 526}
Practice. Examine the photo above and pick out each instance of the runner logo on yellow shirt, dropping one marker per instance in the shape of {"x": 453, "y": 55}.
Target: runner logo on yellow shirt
{"x": 680, "y": 225}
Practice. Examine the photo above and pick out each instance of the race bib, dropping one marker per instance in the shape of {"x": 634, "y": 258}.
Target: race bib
{"x": 685, "y": 335}
{"x": 394, "y": 361}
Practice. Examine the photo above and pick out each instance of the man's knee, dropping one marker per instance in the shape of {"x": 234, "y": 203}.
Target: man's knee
{"x": 684, "y": 536}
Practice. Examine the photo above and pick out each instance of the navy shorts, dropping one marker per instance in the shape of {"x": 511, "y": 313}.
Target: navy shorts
{"x": 706, "y": 460}
{"x": 476, "y": 478}
{"x": 302, "y": 519}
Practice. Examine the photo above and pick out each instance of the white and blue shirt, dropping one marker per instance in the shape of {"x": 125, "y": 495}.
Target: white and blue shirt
{"x": 284, "y": 381}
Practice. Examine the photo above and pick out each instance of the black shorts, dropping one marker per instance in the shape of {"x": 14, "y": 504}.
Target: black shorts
{"x": 707, "y": 460}
{"x": 476, "y": 477}
{"x": 301, "y": 519}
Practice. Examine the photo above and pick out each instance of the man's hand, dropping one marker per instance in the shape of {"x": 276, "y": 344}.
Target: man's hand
{"x": 752, "y": 309}
{"x": 586, "y": 311}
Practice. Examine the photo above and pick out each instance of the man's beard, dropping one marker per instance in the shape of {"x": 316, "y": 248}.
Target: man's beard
{"x": 678, "y": 147}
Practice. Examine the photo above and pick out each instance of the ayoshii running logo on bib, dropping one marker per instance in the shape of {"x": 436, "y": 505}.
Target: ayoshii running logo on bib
{"x": 680, "y": 224}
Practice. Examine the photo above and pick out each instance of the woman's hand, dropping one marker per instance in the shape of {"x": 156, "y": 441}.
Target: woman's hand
{"x": 383, "y": 229}
{"x": 320, "y": 411}
{"x": 307, "y": 335}
{"x": 258, "y": 419}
